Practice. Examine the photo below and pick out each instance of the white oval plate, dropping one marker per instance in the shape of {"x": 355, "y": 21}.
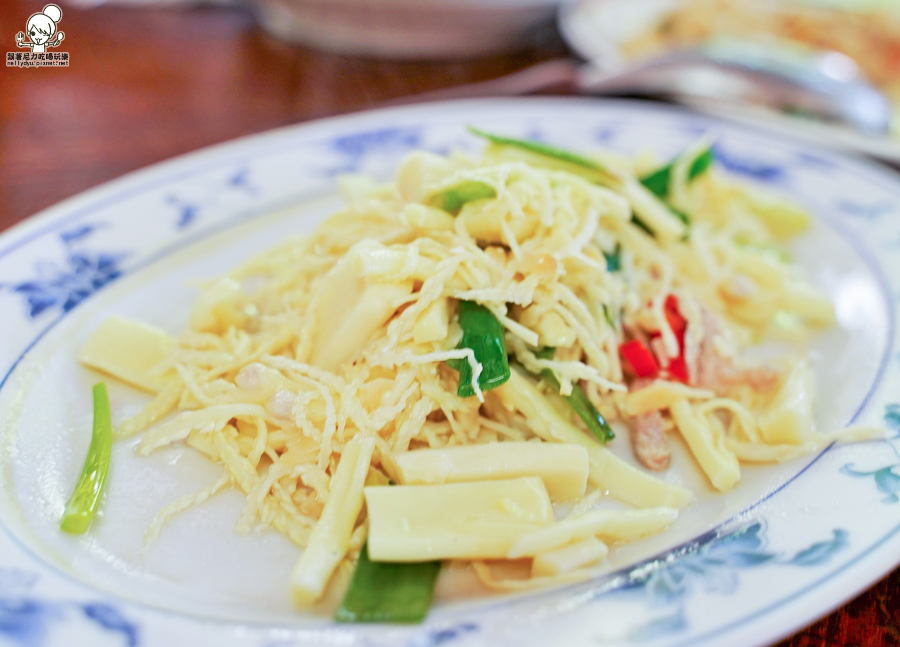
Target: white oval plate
{"x": 788, "y": 545}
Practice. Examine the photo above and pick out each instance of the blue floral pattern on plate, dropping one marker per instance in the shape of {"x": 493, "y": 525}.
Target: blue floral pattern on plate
{"x": 63, "y": 285}
{"x": 887, "y": 478}
{"x": 26, "y": 619}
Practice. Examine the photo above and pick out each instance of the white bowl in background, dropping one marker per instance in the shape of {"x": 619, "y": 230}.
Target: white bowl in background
{"x": 408, "y": 28}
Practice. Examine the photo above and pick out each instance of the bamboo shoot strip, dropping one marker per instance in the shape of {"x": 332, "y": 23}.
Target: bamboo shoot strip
{"x": 330, "y": 538}
{"x": 607, "y": 471}
{"x": 562, "y": 467}
{"x": 388, "y": 592}
{"x": 86, "y": 497}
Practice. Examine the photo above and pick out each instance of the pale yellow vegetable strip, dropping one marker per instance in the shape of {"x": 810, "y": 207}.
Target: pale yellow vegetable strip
{"x": 563, "y": 468}
{"x": 486, "y": 577}
{"x": 182, "y": 425}
{"x": 615, "y": 525}
{"x": 562, "y": 560}
{"x": 330, "y": 538}
{"x": 739, "y": 413}
{"x": 788, "y": 419}
{"x": 653, "y": 212}
{"x": 607, "y": 471}
{"x": 155, "y": 410}
{"x": 660, "y": 395}
{"x": 750, "y": 452}
{"x": 180, "y": 505}
{"x": 482, "y": 520}
{"x": 708, "y": 447}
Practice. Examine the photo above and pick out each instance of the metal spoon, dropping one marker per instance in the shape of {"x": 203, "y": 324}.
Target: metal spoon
{"x": 828, "y": 85}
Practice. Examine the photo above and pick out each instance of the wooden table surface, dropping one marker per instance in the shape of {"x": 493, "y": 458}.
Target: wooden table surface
{"x": 145, "y": 85}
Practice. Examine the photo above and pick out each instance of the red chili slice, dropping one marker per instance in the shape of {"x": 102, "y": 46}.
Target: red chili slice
{"x": 678, "y": 369}
{"x": 676, "y": 322}
{"x": 639, "y": 357}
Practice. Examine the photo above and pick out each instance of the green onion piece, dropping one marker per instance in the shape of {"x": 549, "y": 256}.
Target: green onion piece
{"x": 608, "y": 316}
{"x": 614, "y": 259}
{"x": 388, "y": 592}
{"x": 681, "y": 215}
{"x": 540, "y": 149}
{"x": 640, "y": 224}
{"x": 703, "y": 161}
{"x": 83, "y": 503}
{"x": 452, "y": 200}
{"x": 484, "y": 334}
{"x": 546, "y": 352}
{"x": 579, "y": 401}
{"x": 658, "y": 181}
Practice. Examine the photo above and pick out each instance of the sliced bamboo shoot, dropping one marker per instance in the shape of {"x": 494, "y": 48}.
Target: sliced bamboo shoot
{"x": 330, "y": 538}
{"x": 434, "y": 323}
{"x": 415, "y": 523}
{"x": 660, "y": 395}
{"x": 708, "y": 447}
{"x": 350, "y": 309}
{"x": 614, "y": 525}
{"x": 568, "y": 558}
{"x": 128, "y": 350}
{"x": 653, "y": 212}
{"x": 563, "y": 468}
{"x": 607, "y": 471}
{"x": 788, "y": 420}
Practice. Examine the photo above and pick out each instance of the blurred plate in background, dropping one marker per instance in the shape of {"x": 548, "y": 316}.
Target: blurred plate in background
{"x": 407, "y": 28}
{"x": 621, "y": 37}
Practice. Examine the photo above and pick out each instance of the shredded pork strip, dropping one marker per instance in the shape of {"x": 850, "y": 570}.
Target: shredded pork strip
{"x": 720, "y": 374}
{"x": 648, "y": 436}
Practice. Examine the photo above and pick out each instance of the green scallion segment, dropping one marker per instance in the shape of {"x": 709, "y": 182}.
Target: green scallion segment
{"x": 540, "y": 149}
{"x": 388, "y": 592}
{"x": 579, "y": 402}
{"x": 640, "y": 224}
{"x": 86, "y": 497}
{"x": 608, "y": 316}
{"x": 484, "y": 334}
{"x": 681, "y": 215}
{"x": 452, "y": 200}
{"x": 658, "y": 182}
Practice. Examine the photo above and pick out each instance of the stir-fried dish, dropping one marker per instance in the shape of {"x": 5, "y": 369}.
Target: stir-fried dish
{"x": 866, "y": 32}
{"x": 433, "y": 373}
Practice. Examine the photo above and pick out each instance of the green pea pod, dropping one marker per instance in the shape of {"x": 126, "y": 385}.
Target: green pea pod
{"x": 579, "y": 402}
{"x": 484, "y": 334}
{"x": 388, "y": 592}
{"x": 86, "y": 497}
{"x": 452, "y": 200}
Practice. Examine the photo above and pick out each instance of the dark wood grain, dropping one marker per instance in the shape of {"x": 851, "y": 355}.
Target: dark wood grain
{"x": 145, "y": 85}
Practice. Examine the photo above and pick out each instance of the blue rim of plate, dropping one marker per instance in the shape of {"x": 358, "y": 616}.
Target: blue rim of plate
{"x": 57, "y": 218}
